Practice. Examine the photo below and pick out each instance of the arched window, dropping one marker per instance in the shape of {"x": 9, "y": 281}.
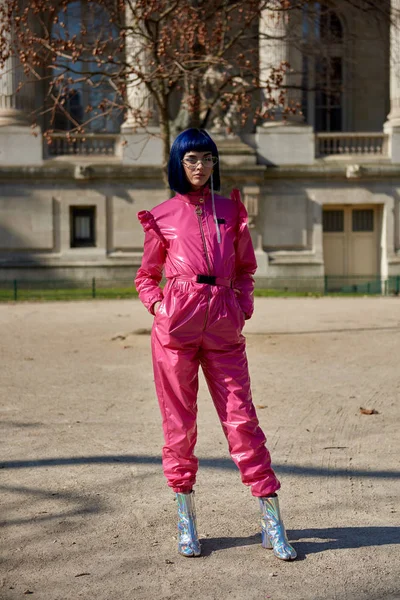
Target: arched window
{"x": 323, "y": 76}
{"x": 87, "y": 96}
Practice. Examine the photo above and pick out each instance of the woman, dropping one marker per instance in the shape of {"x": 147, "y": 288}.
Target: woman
{"x": 202, "y": 242}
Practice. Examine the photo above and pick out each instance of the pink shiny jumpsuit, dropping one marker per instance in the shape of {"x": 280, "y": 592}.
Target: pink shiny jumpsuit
{"x": 207, "y": 297}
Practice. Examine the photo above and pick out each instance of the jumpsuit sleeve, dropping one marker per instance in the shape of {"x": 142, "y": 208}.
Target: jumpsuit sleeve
{"x": 246, "y": 264}
{"x": 149, "y": 275}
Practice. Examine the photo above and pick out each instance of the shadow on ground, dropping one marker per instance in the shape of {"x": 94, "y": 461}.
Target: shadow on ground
{"x": 207, "y": 463}
{"x": 312, "y": 541}
{"x": 68, "y": 505}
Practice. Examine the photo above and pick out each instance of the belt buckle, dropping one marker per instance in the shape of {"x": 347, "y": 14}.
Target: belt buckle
{"x": 210, "y": 279}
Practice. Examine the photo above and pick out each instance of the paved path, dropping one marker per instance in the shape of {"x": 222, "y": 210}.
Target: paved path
{"x": 87, "y": 514}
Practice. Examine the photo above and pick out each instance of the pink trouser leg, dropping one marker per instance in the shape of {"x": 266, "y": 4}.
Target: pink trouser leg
{"x": 176, "y": 379}
{"x": 228, "y": 380}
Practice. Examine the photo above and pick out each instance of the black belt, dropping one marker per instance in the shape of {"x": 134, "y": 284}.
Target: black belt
{"x": 208, "y": 279}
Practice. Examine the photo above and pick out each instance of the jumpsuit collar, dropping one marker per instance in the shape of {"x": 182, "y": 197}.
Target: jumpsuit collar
{"x": 194, "y": 197}
{"x": 201, "y": 196}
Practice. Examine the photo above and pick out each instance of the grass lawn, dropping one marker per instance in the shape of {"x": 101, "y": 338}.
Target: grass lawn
{"x": 50, "y": 294}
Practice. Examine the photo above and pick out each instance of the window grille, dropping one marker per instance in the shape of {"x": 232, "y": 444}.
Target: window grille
{"x": 363, "y": 219}
{"x": 333, "y": 221}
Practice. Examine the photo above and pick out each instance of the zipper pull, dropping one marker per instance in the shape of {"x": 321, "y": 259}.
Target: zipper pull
{"x": 199, "y": 210}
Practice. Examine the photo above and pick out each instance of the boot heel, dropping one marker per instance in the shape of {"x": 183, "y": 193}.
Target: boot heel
{"x": 273, "y": 534}
{"x": 265, "y": 541}
{"x": 188, "y": 540}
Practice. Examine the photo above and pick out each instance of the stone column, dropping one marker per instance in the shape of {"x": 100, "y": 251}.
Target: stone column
{"x": 252, "y": 200}
{"x": 273, "y": 48}
{"x": 20, "y": 144}
{"x": 12, "y": 103}
{"x": 281, "y": 142}
{"x": 139, "y": 145}
{"x": 392, "y": 125}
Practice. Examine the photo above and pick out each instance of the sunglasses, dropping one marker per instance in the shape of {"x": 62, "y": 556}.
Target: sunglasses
{"x": 191, "y": 162}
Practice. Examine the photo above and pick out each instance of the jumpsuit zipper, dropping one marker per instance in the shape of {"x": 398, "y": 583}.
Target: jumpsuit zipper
{"x": 199, "y": 212}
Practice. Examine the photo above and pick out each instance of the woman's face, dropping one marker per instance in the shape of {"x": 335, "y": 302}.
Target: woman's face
{"x": 198, "y": 168}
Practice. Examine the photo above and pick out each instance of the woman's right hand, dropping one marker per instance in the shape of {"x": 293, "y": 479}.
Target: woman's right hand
{"x": 156, "y": 306}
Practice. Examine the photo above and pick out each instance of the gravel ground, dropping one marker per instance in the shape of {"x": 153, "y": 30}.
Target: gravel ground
{"x": 85, "y": 509}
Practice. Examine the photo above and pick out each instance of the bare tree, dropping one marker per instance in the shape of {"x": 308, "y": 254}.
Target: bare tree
{"x": 135, "y": 59}
{"x": 132, "y": 58}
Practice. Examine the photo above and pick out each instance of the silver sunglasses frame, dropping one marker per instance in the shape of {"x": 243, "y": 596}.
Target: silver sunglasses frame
{"x": 193, "y": 166}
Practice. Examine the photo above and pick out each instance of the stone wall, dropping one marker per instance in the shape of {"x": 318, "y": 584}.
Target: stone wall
{"x": 35, "y": 226}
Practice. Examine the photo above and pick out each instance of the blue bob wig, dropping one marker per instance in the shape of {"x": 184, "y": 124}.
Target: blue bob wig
{"x": 196, "y": 140}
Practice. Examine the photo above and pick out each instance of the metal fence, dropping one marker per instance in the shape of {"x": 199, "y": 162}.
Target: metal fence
{"x": 22, "y": 289}
{"x": 58, "y": 289}
{"x": 333, "y": 284}
{"x": 364, "y": 285}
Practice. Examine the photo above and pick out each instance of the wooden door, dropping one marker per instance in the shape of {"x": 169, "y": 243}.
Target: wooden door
{"x": 350, "y": 241}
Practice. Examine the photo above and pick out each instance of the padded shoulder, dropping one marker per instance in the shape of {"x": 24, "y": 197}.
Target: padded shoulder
{"x": 235, "y": 195}
{"x": 149, "y": 223}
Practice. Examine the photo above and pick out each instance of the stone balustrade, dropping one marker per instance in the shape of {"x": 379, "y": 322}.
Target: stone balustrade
{"x": 89, "y": 144}
{"x": 326, "y": 144}
{"x": 350, "y": 144}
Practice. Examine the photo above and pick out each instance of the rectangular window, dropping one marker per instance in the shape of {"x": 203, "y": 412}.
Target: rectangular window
{"x": 363, "y": 219}
{"x": 333, "y": 221}
{"x": 83, "y": 226}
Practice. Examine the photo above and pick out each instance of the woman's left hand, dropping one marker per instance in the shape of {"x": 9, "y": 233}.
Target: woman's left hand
{"x": 156, "y": 306}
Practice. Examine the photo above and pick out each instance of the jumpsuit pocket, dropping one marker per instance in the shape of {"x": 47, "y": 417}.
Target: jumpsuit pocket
{"x": 164, "y": 307}
{"x": 183, "y": 310}
{"x": 239, "y": 310}
{"x": 242, "y": 317}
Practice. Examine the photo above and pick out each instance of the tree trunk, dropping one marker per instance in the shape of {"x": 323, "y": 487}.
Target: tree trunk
{"x": 166, "y": 140}
{"x": 196, "y": 103}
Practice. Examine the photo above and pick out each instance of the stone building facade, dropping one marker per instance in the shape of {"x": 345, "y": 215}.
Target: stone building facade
{"x": 322, "y": 189}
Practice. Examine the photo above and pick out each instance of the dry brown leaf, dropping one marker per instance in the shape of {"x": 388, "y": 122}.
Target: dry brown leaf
{"x": 261, "y": 406}
{"x": 368, "y": 411}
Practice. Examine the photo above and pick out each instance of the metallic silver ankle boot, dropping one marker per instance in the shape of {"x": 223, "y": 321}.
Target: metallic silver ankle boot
{"x": 188, "y": 541}
{"x": 273, "y": 534}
